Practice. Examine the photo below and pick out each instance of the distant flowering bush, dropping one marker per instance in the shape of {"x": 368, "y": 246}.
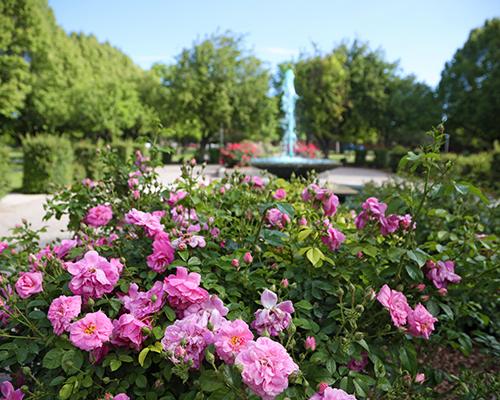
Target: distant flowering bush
{"x": 308, "y": 150}
{"x": 243, "y": 288}
{"x": 239, "y": 153}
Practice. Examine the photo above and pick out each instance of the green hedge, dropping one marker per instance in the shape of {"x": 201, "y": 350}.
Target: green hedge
{"x": 48, "y": 161}
{"x": 395, "y": 156}
{"x": 480, "y": 169}
{"x": 360, "y": 157}
{"x": 87, "y": 160}
{"x": 5, "y": 181}
{"x": 381, "y": 158}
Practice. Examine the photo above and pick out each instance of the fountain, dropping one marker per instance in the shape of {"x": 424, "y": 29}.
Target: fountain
{"x": 288, "y": 163}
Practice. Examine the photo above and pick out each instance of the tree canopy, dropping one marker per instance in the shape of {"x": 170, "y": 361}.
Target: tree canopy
{"x": 52, "y": 81}
{"x": 217, "y": 84}
{"x": 470, "y": 89}
{"x": 352, "y": 94}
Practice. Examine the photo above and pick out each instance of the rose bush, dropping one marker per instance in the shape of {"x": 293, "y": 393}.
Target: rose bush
{"x": 240, "y": 154}
{"x": 243, "y": 288}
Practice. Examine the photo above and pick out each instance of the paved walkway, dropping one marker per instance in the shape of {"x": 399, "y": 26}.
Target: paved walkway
{"x": 15, "y": 207}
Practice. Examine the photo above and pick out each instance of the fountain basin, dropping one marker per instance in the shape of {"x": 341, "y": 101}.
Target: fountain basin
{"x": 284, "y": 166}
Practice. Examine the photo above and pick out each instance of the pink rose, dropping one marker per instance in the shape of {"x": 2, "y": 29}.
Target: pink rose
{"x": 9, "y": 393}
{"x": 396, "y": 303}
{"x": 248, "y": 257}
{"x": 29, "y": 283}
{"x": 93, "y": 276}
{"x": 358, "y": 365}
{"x": 99, "y": 215}
{"x": 64, "y": 248}
{"x": 284, "y": 282}
{"x": 389, "y": 224}
{"x": 273, "y": 318}
{"x": 210, "y": 311}
{"x": 375, "y": 207}
{"x": 333, "y": 239}
{"x": 62, "y": 311}
{"x": 151, "y": 222}
{"x": 185, "y": 341}
{"x": 420, "y": 378}
{"x": 175, "y": 197}
{"x": 266, "y": 367}
{"x": 442, "y": 273}
{"x": 163, "y": 253}
{"x": 330, "y": 204}
{"x": 3, "y": 246}
{"x": 127, "y": 331}
{"x": 280, "y": 194}
{"x": 143, "y": 304}
{"x": 91, "y": 332}
{"x": 121, "y": 396}
{"x": 332, "y": 394}
{"x": 276, "y": 218}
{"x": 184, "y": 289}
{"x": 421, "y": 322}
{"x": 231, "y": 338}
{"x": 310, "y": 343}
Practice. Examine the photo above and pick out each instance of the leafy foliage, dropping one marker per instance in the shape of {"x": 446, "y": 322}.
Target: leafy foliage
{"x": 332, "y": 291}
{"x": 48, "y": 162}
{"x": 470, "y": 87}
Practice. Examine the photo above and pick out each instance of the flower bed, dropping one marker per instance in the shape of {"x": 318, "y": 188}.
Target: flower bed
{"x": 239, "y": 153}
{"x": 240, "y": 289}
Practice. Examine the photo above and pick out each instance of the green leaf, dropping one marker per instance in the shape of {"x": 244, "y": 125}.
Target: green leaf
{"x": 303, "y": 234}
{"x": 414, "y": 272}
{"x": 194, "y": 261}
{"x": 142, "y": 356}
{"x": 115, "y": 365}
{"x": 475, "y": 191}
{"x": 314, "y": 255}
{"x": 52, "y": 359}
{"x": 304, "y": 305}
{"x": 141, "y": 381}
{"x": 169, "y": 313}
{"x": 72, "y": 361}
{"x": 66, "y": 391}
{"x": 370, "y": 250}
{"x": 36, "y": 314}
{"x": 419, "y": 256}
{"x": 210, "y": 382}
{"x": 125, "y": 358}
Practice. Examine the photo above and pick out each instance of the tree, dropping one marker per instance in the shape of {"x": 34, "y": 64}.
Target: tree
{"x": 54, "y": 82}
{"x": 217, "y": 85}
{"x": 16, "y": 35}
{"x": 322, "y": 86}
{"x": 411, "y": 109}
{"x": 470, "y": 89}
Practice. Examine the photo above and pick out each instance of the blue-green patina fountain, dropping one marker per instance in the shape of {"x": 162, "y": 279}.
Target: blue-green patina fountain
{"x": 288, "y": 163}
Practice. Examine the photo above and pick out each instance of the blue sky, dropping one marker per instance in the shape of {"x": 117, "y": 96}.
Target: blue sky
{"x": 421, "y": 34}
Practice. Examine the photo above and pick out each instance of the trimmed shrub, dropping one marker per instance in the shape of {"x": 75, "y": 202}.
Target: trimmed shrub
{"x": 213, "y": 156}
{"x": 5, "y": 183}
{"x": 123, "y": 148}
{"x": 360, "y": 157}
{"x": 48, "y": 161}
{"x": 87, "y": 160}
{"x": 478, "y": 168}
{"x": 381, "y": 158}
{"x": 395, "y": 156}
